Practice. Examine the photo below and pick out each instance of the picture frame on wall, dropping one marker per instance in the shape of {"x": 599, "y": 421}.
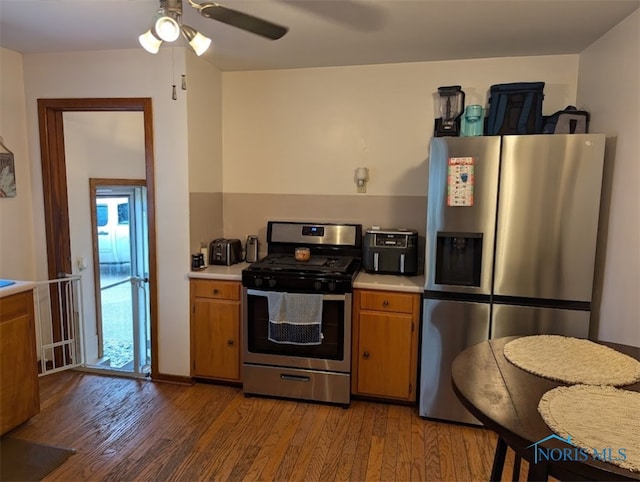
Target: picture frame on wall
{"x": 7, "y": 172}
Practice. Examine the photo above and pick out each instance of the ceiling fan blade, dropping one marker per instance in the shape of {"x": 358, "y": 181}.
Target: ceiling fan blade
{"x": 241, "y": 20}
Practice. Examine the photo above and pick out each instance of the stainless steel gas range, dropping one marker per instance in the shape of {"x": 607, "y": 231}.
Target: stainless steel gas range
{"x": 297, "y": 317}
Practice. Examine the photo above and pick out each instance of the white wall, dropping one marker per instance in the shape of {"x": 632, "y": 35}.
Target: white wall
{"x": 130, "y": 73}
{"x": 204, "y": 119}
{"x": 17, "y": 250}
{"x": 609, "y": 87}
{"x": 304, "y": 131}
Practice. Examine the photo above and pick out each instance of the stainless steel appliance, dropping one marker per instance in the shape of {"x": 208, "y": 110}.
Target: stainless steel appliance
{"x": 390, "y": 251}
{"x": 510, "y": 247}
{"x": 225, "y": 251}
{"x": 251, "y": 249}
{"x": 322, "y": 371}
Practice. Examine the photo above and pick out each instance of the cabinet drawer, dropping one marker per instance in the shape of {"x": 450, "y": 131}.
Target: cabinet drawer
{"x": 387, "y": 301}
{"x": 214, "y": 289}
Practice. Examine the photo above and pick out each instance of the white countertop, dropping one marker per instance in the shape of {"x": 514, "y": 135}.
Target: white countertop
{"x": 17, "y": 287}
{"x": 230, "y": 273}
{"x": 409, "y": 284}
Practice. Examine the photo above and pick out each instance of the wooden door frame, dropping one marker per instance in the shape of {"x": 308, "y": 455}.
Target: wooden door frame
{"x": 54, "y": 187}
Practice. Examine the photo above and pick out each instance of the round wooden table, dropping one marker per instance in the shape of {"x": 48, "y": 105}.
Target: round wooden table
{"x": 505, "y": 399}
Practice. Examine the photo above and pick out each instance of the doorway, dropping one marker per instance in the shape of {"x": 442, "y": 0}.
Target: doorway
{"x": 121, "y": 255}
{"x": 58, "y": 200}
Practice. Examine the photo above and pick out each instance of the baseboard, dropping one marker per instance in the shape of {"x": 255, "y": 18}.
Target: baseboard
{"x": 165, "y": 377}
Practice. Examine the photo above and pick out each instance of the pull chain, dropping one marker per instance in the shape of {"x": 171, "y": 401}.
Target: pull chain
{"x": 174, "y": 94}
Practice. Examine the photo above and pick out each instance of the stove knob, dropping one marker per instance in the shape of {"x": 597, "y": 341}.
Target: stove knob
{"x": 317, "y": 285}
{"x": 332, "y": 285}
{"x": 272, "y": 283}
{"x": 258, "y": 281}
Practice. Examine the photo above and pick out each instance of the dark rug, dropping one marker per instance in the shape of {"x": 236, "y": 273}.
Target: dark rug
{"x": 22, "y": 460}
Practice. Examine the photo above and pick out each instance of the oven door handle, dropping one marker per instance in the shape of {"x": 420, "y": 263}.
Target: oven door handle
{"x": 325, "y": 297}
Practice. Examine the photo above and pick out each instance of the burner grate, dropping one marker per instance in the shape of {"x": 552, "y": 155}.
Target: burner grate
{"x": 320, "y": 264}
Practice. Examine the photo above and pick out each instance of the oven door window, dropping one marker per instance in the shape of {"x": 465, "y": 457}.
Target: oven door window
{"x": 331, "y": 348}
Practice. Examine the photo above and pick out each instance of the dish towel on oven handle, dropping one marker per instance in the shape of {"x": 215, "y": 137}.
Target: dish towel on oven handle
{"x": 295, "y": 318}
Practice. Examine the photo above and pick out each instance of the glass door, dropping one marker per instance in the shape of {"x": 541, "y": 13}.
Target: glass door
{"x": 122, "y": 300}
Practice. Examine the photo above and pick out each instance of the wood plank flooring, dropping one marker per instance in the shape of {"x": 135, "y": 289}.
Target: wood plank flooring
{"x": 126, "y": 429}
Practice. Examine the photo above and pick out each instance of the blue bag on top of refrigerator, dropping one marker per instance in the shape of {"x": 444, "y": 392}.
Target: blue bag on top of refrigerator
{"x": 569, "y": 120}
{"x": 515, "y": 108}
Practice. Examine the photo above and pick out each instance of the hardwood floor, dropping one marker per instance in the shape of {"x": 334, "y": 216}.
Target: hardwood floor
{"x": 125, "y": 429}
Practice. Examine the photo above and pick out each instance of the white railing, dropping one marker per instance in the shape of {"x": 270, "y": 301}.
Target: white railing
{"x": 58, "y": 305}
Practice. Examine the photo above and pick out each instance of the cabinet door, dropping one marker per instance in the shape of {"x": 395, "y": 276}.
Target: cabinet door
{"x": 19, "y": 391}
{"x": 216, "y": 339}
{"x": 384, "y": 364}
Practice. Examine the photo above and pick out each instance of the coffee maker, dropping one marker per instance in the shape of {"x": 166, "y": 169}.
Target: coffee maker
{"x": 451, "y": 109}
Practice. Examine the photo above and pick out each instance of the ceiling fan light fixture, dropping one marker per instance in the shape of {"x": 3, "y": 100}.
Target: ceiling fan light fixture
{"x": 199, "y": 43}
{"x": 150, "y": 42}
{"x": 167, "y": 28}
{"x": 168, "y": 25}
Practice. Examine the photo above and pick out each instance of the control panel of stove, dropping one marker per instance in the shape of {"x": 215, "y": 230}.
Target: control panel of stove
{"x": 301, "y": 284}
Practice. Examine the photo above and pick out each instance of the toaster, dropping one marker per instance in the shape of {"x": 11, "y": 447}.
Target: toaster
{"x": 390, "y": 251}
{"x": 225, "y": 251}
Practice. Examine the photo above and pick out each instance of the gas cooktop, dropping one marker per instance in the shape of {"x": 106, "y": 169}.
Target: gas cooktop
{"x": 283, "y": 262}
{"x": 319, "y": 274}
{"x": 335, "y": 258}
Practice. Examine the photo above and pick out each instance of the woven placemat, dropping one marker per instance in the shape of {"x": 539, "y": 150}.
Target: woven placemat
{"x": 603, "y": 418}
{"x": 572, "y": 360}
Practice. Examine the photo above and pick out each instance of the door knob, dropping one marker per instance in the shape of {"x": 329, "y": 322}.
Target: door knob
{"x": 230, "y": 342}
{"x": 385, "y": 303}
{"x": 216, "y": 291}
{"x": 365, "y": 355}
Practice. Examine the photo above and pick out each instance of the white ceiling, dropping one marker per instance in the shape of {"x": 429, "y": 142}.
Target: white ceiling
{"x": 326, "y": 32}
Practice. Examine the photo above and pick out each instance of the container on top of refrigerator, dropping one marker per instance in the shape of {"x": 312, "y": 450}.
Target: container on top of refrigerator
{"x": 451, "y": 106}
{"x": 472, "y": 123}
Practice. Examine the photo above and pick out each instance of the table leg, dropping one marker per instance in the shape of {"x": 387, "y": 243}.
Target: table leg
{"x": 515, "y": 475}
{"x": 538, "y": 472}
{"x": 498, "y": 460}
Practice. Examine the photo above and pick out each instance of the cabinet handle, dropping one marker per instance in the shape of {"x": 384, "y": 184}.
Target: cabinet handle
{"x": 216, "y": 291}
{"x": 230, "y": 342}
{"x": 365, "y": 355}
{"x": 385, "y": 303}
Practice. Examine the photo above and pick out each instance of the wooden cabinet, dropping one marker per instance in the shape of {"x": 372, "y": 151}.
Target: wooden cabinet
{"x": 19, "y": 393}
{"x": 385, "y": 344}
{"x": 215, "y": 329}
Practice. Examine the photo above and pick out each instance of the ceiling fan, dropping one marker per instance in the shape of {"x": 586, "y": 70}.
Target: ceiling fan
{"x": 168, "y": 25}
{"x": 239, "y": 20}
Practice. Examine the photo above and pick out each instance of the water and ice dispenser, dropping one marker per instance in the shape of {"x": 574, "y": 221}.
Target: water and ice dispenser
{"x": 458, "y": 259}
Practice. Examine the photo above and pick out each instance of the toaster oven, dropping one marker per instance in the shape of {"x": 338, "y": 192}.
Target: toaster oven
{"x": 391, "y": 251}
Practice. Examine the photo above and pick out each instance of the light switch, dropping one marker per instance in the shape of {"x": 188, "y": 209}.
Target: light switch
{"x": 82, "y": 263}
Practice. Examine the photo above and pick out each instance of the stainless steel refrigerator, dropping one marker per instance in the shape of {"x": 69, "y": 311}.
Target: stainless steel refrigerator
{"x": 510, "y": 247}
